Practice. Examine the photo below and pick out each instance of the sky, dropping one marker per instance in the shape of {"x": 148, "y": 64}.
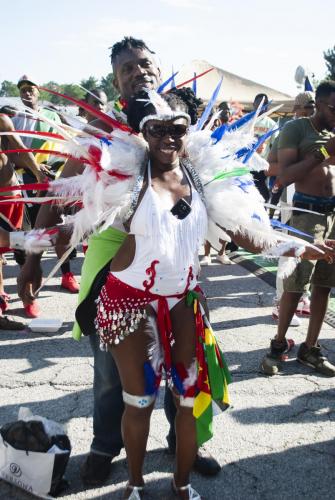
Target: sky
{"x": 68, "y": 40}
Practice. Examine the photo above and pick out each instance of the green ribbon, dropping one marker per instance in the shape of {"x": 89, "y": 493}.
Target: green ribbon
{"x": 238, "y": 172}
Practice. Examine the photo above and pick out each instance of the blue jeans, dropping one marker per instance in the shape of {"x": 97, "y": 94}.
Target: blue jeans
{"x": 108, "y": 404}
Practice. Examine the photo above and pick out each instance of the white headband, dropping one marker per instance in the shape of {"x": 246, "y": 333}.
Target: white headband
{"x": 163, "y": 110}
{"x": 171, "y": 116}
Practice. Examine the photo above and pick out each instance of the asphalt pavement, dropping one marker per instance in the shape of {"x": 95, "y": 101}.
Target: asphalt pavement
{"x": 276, "y": 441}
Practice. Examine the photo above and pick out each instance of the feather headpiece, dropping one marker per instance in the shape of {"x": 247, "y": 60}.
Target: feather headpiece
{"x": 162, "y": 108}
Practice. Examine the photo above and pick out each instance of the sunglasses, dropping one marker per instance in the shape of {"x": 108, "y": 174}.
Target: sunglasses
{"x": 159, "y": 131}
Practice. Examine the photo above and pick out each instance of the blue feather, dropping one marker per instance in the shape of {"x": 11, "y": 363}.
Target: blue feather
{"x": 280, "y": 225}
{"x": 164, "y": 84}
{"x": 244, "y": 119}
{"x": 241, "y": 121}
{"x": 194, "y": 84}
{"x": 219, "y": 133}
{"x": 241, "y": 152}
{"x": 259, "y": 142}
{"x": 209, "y": 107}
{"x": 173, "y": 83}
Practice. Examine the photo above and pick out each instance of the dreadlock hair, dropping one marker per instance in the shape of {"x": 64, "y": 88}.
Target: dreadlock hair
{"x": 325, "y": 89}
{"x": 187, "y": 95}
{"x": 137, "y": 109}
{"x": 127, "y": 43}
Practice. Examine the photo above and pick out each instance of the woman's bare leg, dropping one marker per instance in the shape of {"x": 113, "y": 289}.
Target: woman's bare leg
{"x": 130, "y": 356}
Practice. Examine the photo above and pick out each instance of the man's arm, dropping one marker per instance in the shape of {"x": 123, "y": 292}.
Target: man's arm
{"x": 23, "y": 159}
{"x": 291, "y": 169}
{"x": 50, "y": 215}
{"x": 273, "y": 169}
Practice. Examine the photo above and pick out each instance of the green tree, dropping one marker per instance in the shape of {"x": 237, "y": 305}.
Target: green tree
{"x": 90, "y": 83}
{"x": 47, "y": 96}
{"x": 108, "y": 87}
{"x": 9, "y": 89}
{"x": 72, "y": 90}
{"x": 329, "y": 56}
{"x": 68, "y": 89}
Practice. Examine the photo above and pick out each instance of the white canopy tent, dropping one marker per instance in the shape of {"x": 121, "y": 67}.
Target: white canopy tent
{"x": 234, "y": 87}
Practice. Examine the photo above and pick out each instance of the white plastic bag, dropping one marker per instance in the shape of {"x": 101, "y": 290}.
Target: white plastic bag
{"x": 37, "y": 472}
{"x": 30, "y": 470}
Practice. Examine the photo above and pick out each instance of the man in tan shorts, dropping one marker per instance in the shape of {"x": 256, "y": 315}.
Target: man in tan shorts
{"x": 306, "y": 157}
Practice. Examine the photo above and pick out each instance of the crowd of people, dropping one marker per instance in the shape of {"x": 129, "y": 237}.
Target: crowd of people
{"x": 158, "y": 206}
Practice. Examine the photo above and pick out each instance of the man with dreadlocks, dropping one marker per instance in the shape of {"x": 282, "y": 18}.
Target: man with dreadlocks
{"x": 134, "y": 68}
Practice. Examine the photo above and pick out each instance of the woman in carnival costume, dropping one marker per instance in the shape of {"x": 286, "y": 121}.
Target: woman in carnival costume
{"x": 154, "y": 276}
{"x": 170, "y": 190}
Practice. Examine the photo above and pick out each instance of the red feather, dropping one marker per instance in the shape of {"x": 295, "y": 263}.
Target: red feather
{"x": 98, "y": 114}
{"x": 194, "y": 78}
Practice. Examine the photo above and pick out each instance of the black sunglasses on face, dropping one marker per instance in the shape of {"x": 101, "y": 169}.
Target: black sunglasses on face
{"x": 159, "y": 131}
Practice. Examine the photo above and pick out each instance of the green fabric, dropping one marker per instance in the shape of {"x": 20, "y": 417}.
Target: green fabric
{"x": 216, "y": 374}
{"x": 300, "y": 134}
{"x": 42, "y": 126}
{"x": 101, "y": 249}
{"x": 204, "y": 426}
{"x": 191, "y": 297}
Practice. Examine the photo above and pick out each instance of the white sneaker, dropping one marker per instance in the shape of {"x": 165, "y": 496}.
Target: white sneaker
{"x": 224, "y": 259}
{"x": 295, "y": 321}
{"x": 206, "y": 260}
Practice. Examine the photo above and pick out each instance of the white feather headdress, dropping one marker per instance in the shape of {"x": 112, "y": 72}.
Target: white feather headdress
{"x": 162, "y": 108}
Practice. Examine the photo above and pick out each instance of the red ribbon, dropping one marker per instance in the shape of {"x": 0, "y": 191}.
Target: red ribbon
{"x": 192, "y": 79}
{"x": 98, "y": 114}
{"x": 43, "y": 134}
{"x": 45, "y": 151}
{"x": 165, "y": 331}
{"x": 37, "y": 186}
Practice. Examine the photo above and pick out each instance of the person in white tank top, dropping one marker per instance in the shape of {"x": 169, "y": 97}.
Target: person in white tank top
{"x": 151, "y": 279}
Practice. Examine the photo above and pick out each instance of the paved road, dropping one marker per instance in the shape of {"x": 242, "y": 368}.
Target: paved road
{"x": 275, "y": 442}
